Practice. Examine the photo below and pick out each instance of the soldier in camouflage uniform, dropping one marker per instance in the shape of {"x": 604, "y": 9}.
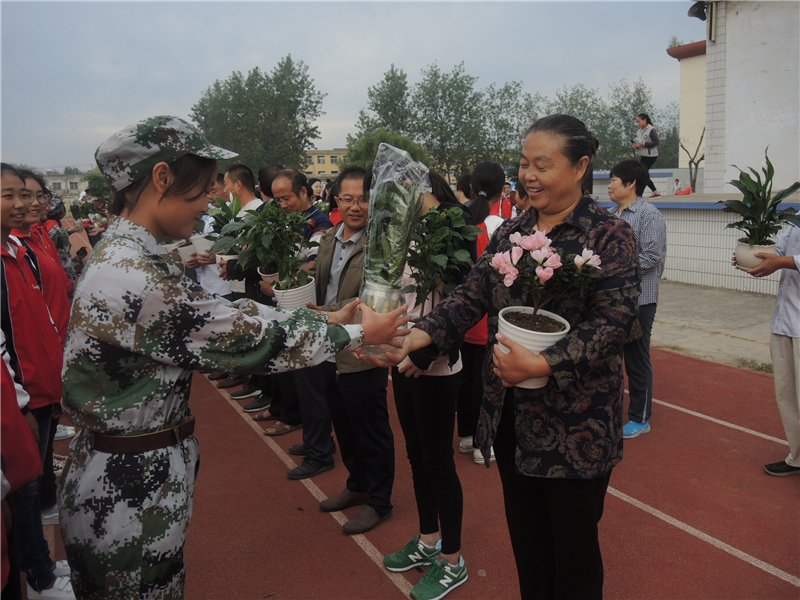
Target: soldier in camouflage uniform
{"x": 138, "y": 329}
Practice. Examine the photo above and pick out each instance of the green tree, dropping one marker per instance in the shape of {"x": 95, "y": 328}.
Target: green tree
{"x": 506, "y": 113}
{"x": 362, "y": 148}
{"x": 669, "y": 133}
{"x": 389, "y": 104}
{"x": 72, "y": 171}
{"x": 266, "y": 118}
{"x": 98, "y": 186}
{"x": 625, "y": 101}
{"x": 449, "y": 119}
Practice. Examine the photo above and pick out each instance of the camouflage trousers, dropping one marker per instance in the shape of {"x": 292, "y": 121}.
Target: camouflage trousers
{"x": 124, "y": 519}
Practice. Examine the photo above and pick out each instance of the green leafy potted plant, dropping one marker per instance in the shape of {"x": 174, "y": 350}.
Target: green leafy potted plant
{"x": 271, "y": 240}
{"x": 760, "y": 218}
{"x": 547, "y": 276}
{"x": 439, "y": 254}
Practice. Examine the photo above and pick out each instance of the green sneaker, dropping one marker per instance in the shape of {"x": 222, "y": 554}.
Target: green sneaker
{"x": 413, "y": 555}
{"x": 440, "y": 580}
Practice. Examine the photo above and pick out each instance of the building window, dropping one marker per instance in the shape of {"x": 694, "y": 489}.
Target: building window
{"x": 334, "y": 172}
{"x": 309, "y": 160}
{"x": 344, "y": 158}
{"x": 57, "y": 185}
{"x": 320, "y": 172}
{"x": 334, "y": 159}
{"x": 73, "y": 185}
{"x": 321, "y": 160}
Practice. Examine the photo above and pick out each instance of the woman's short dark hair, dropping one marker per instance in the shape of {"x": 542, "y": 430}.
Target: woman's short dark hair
{"x": 189, "y": 171}
{"x": 631, "y": 171}
{"x": 7, "y": 168}
{"x": 488, "y": 179}
{"x": 646, "y": 117}
{"x": 578, "y": 142}
{"x": 266, "y": 175}
{"x": 464, "y": 185}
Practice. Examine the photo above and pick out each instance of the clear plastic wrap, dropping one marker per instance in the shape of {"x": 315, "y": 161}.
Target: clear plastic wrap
{"x": 396, "y": 196}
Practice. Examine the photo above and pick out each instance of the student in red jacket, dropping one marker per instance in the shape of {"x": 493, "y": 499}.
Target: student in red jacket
{"x": 35, "y": 353}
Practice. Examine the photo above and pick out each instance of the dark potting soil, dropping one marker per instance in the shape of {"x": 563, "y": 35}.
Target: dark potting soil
{"x": 533, "y": 322}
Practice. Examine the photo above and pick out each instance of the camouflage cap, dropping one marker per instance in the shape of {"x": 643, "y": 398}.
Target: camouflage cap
{"x": 131, "y": 153}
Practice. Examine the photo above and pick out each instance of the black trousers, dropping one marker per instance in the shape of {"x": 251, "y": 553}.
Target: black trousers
{"x": 426, "y": 409}
{"x": 470, "y": 390}
{"x": 360, "y": 416}
{"x": 311, "y": 385}
{"x": 285, "y": 402}
{"x": 552, "y": 524}
{"x": 47, "y": 487}
{"x": 639, "y": 368}
{"x": 647, "y": 162}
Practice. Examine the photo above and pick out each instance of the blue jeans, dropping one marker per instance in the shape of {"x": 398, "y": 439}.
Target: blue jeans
{"x": 35, "y": 558}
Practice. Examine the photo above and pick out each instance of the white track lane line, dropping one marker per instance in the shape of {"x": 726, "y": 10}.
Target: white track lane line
{"x": 371, "y": 551}
{"x": 752, "y": 560}
{"x": 720, "y": 422}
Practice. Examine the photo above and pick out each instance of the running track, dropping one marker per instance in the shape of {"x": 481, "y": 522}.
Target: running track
{"x": 690, "y": 512}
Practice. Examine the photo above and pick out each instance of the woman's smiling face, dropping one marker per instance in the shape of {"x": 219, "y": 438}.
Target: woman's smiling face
{"x": 552, "y": 182}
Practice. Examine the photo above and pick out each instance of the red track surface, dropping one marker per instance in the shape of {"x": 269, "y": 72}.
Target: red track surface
{"x": 256, "y": 534}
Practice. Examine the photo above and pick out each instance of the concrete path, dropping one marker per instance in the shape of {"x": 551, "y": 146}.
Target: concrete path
{"x": 724, "y": 326}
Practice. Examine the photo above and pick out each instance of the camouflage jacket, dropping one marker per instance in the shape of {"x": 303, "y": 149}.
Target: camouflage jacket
{"x": 61, "y": 240}
{"x": 139, "y": 326}
{"x": 572, "y": 427}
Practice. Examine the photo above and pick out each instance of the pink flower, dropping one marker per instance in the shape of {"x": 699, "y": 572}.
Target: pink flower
{"x": 553, "y": 261}
{"x": 501, "y": 260}
{"x": 515, "y": 238}
{"x": 511, "y": 277}
{"x": 516, "y": 254}
{"x": 544, "y": 273}
{"x": 540, "y": 255}
{"x": 587, "y": 257}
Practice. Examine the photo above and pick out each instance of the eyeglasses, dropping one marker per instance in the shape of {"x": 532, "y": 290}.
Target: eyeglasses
{"x": 350, "y": 201}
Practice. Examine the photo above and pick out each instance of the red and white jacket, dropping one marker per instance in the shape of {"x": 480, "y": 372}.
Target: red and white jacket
{"x": 32, "y": 342}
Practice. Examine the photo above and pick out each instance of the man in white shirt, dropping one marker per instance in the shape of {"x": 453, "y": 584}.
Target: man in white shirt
{"x": 784, "y": 346}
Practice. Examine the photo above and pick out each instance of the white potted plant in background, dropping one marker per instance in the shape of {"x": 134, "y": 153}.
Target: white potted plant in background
{"x": 760, "y": 218}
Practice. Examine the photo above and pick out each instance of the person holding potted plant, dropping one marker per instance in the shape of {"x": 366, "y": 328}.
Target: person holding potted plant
{"x": 556, "y": 445}
{"x": 139, "y": 328}
{"x": 427, "y": 394}
{"x": 625, "y": 189}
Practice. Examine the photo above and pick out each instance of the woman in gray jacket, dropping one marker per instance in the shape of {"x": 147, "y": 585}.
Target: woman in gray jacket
{"x": 646, "y": 144}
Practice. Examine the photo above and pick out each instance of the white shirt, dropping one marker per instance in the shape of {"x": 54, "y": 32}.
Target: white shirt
{"x": 786, "y": 318}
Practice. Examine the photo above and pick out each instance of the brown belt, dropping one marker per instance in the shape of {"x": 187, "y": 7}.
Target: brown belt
{"x": 134, "y": 444}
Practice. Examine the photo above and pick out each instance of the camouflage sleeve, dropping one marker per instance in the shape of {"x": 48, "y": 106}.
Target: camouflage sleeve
{"x": 180, "y": 323}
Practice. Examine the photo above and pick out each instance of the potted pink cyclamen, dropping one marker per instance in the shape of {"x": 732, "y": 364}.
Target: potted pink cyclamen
{"x": 541, "y": 271}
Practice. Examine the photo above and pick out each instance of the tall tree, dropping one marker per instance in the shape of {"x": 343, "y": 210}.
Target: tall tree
{"x": 72, "y": 171}
{"x": 506, "y": 116}
{"x": 361, "y": 149}
{"x": 669, "y": 121}
{"x": 266, "y": 118}
{"x": 389, "y": 103}
{"x": 625, "y": 101}
{"x": 449, "y": 118}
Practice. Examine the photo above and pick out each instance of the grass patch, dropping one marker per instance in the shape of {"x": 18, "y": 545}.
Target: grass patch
{"x": 754, "y": 365}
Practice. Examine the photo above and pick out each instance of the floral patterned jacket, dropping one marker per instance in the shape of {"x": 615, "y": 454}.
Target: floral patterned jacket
{"x": 572, "y": 427}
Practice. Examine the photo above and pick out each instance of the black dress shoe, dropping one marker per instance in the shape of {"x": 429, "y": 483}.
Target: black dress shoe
{"x": 300, "y": 449}
{"x": 781, "y": 469}
{"x": 309, "y": 468}
{"x": 259, "y": 403}
{"x": 344, "y": 500}
{"x": 366, "y": 519}
{"x": 232, "y": 381}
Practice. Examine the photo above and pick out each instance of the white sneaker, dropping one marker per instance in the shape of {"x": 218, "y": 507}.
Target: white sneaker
{"x": 478, "y": 457}
{"x": 62, "y": 588}
{"x": 465, "y": 445}
{"x": 65, "y": 432}
{"x": 62, "y": 569}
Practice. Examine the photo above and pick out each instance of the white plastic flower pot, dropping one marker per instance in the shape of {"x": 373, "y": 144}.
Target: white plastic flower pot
{"x": 535, "y": 341}
{"x": 186, "y": 251}
{"x": 296, "y": 297}
{"x": 268, "y": 277}
{"x": 226, "y": 257}
{"x": 746, "y": 254}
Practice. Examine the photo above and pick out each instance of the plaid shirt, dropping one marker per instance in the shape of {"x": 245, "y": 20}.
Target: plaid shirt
{"x": 651, "y": 237}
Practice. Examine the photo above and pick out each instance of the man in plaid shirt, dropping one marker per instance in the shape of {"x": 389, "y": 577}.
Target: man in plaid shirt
{"x": 628, "y": 180}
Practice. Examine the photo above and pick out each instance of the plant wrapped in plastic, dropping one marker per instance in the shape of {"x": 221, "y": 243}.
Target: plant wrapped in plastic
{"x": 440, "y": 253}
{"x": 761, "y": 219}
{"x": 271, "y": 240}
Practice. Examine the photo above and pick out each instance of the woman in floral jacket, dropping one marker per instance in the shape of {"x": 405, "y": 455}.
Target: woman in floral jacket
{"x": 555, "y": 446}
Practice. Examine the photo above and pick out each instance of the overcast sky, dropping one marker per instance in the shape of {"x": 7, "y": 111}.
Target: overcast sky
{"x": 73, "y": 73}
